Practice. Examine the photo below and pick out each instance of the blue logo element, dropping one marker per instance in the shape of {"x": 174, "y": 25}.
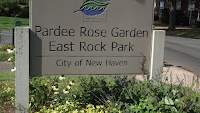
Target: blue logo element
{"x": 94, "y": 7}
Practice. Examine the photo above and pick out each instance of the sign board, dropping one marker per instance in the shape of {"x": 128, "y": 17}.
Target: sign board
{"x": 90, "y": 37}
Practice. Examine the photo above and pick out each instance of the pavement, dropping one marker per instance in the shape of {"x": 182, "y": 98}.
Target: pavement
{"x": 176, "y": 75}
{"x": 5, "y": 66}
{"x": 5, "y": 37}
{"x": 182, "y": 52}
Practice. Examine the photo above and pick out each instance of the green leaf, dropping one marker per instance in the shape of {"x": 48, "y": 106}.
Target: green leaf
{"x": 99, "y": 4}
{"x": 150, "y": 106}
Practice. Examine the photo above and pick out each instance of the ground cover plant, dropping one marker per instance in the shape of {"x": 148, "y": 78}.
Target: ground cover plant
{"x": 7, "y": 92}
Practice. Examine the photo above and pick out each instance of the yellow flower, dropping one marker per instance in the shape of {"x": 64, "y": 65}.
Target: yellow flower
{"x": 90, "y": 106}
{"x": 29, "y": 105}
{"x": 76, "y": 111}
{"x": 82, "y": 111}
{"x": 98, "y": 107}
{"x": 101, "y": 106}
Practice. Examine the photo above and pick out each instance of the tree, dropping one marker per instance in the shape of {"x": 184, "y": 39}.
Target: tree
{"x": 172, "y": 15}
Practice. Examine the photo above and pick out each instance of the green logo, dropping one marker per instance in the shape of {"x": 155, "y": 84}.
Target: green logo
{"x": 94, "y": 7}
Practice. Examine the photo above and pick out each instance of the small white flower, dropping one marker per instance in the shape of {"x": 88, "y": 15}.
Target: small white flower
{"x": 67, "y": 102}
{"x": 11, "y": 98}
{"x": 61, "y": 78}
{"x": 9, "y": 59}
{"x": 13, "y": 70}
{"x": 68, "y": 87}
{"x": 72, "y": 83}
{"x": 55, "y": 99}
{"x": 65, "y": 91}
{"x": 55, "y": 87}
{"x": 8, "y": 50}
{"x": 56, "y": 92}
{"x": 12, "y": 51}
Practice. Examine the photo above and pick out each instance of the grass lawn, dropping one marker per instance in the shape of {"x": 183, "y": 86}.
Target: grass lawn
{"x": 188, "y": 33}
{"x": 9, "y": 22}
{"x": 4, "y": 56}
{"x": 7, "y": 77}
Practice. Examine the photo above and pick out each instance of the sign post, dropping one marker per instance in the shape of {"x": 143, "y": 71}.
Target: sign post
{"x": 22, "y": 69}
{"x": 157, "y": 54}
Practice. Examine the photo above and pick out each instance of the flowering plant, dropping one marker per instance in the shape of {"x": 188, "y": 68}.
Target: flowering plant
{"x": 12, "y": 57}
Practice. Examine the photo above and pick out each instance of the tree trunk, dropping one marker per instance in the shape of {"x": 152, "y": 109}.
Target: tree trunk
{"x": 172, "y": 15}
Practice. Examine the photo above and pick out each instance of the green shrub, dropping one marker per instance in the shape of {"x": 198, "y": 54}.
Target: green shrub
{"x": 113, "y": 94}
{"x": 39, "y": 93}
{"x": 9, "y": 8}
{"x": 24, "y": 13}
{"x": 7, "y": 91}
{"x": 14, "y": 8}
{"x": 23, "y": 2}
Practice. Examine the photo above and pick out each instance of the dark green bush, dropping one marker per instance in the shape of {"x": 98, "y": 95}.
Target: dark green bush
{"x": 14, "y": 8}
{"x": 24, "y": 12}
{"x": 23, "y": 2}
{"x": 10, "y": 8}
{"x": 124, "y": 93}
